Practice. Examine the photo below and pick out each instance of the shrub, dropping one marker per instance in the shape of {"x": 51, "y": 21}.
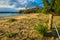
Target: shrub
{"x": 41, "y": 29}
{"x": 2, "y": 32}
{"x": 10, "y": 35}
{"x": 59, "y": 24}
{"x": 12, "y": 20}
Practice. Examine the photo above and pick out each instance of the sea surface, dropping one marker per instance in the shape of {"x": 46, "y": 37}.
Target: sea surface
{"x": 9, "y": 14}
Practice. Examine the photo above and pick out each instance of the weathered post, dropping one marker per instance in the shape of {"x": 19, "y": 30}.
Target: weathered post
{"x": 50, "y": 21}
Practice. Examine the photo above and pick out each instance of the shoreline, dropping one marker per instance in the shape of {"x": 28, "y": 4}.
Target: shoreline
{"x": 32, "y": 15}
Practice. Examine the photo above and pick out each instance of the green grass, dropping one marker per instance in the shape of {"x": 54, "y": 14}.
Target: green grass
{"x": 12, "y": 20}
{"x": 41, "y": 29}
{"x": 10, "y": 35}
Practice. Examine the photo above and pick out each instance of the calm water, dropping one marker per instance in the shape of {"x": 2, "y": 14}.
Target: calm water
{"x": 9, "y": 14}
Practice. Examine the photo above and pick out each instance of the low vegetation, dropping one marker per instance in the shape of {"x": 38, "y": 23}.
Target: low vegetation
{"x": 36, "y": 9}
{"x": 41, "y": 29}
{"x": 11, "y": 35}
{"x": 12, "y": 20}
{"x": 25, "y": 28}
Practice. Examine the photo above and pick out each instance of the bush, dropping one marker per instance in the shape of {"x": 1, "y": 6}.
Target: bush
{"x": 12, "y": 20}
{"x": 10, "y": 35}
{"x": 41, "y": 29}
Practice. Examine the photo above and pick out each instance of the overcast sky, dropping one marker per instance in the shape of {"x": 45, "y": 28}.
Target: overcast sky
{"x": 14, "y": 3}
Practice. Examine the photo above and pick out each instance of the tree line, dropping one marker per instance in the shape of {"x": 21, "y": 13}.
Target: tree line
{"x": 49, "y": 6}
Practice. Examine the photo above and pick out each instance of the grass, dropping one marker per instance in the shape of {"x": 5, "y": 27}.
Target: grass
{"x": 11, "y": 35}
{"x": 2, "y": 32}
{"x": 41, "y": 29}
{"x": 26, "y": 26}
{"x": 12, "y": 20}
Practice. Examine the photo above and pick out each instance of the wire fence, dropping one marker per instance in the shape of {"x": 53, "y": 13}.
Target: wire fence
{"x": 54, "y": 24}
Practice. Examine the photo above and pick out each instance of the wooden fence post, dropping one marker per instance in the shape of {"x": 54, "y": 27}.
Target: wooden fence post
{"x": 50, "y": 21}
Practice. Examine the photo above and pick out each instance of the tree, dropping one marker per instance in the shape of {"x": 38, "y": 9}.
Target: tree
{"x": 46, "y": 6}
{"x": 57, "y": 6}
{"x": 52, "y": 3}
{"x": 53, "y": 7}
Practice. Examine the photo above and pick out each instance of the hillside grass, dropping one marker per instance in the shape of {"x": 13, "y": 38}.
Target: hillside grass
{"x": 23, "y": 28}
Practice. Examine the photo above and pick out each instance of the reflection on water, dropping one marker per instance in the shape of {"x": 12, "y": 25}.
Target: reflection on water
{"x": 9, "y": 14}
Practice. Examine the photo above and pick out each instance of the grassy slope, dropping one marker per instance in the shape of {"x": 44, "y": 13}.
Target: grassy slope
{"x": 23, "y": 26}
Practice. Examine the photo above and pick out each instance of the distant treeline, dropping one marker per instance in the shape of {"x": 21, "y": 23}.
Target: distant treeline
{"x": 31, "y": 10}
{"x": 51, "y": 6}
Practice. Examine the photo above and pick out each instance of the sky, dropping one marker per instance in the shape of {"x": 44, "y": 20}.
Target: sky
{"x": 19, "y": 4}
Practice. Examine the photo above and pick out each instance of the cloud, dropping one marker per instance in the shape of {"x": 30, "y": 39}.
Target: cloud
{"x": 4, "y": 2}
{"x": 14, "y": 3}
{"x": 25, "y": 1}
{"x": 22, "y": 1}
{"x": 32, "y": 0}
{"x": 7, "y": 6}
